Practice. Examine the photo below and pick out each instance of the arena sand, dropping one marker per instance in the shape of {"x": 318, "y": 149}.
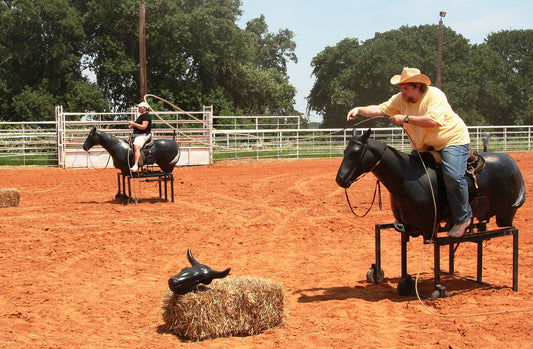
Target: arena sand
{"x": 79, "y": 269}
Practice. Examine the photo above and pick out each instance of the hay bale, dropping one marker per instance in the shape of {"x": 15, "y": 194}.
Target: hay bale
{"x": 234, "y": 306}
{"x": 9, "y": 197}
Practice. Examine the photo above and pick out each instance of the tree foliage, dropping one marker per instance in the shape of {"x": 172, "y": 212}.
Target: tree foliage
{"x": 41, "y": 46}
{"x": 515, "y": 47}
{"x": 196, "y": 55}
{"x": 84, "y": 55}
{"x": 486, "y": 84}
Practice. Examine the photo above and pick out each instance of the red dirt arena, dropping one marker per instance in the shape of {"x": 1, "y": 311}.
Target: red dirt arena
{"x": 80, "y": 270}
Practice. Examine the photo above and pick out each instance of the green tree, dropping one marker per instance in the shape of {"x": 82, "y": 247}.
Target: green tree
{"x": 196, "y": 55}
{"x": 362, "y": 71}
{"x": 474, "y": 78}
{"x": 271, "y": 50}
{"x": 334, "y": 91}
{"x": 41, "y": 45}
{"x": 476, "y": 88}
{"x": 515, "y": 47}
{"x": 112, "y": 50}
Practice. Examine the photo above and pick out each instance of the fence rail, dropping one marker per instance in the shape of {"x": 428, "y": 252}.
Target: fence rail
{"x": 220, "y": 137}
{"x": 301, "y": 143}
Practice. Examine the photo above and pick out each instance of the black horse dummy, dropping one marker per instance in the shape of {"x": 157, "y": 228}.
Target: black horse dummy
{"x": 188, "y": 278}
{"x": 163, "y": 152}
{"x": 497, "y": 189}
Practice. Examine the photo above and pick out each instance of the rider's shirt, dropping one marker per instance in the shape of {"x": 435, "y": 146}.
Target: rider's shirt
{"x": 434, "y": 104}
{"x": 144, "y": 117}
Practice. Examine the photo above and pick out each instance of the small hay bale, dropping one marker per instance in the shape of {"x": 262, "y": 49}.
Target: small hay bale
{"x": 9, "y": 197}
{"x": 233, "y": 306}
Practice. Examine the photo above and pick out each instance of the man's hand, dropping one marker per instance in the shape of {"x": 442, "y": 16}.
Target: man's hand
{"x": 352, "y": 114}
{"x": 397, "y": 119}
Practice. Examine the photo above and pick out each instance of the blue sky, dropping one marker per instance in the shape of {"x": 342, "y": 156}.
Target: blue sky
{"x": 321, "y": 23}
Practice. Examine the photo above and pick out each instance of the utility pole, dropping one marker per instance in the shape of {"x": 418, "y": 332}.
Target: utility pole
{"x": 142, "y": 52}
{"x": 439, "y": 59}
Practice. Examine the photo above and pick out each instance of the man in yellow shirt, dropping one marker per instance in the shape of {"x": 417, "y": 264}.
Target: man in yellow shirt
{"x": 429, "y": 120}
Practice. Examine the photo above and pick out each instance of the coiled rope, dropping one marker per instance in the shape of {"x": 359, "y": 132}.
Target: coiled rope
{"x": 54, "y": 188}
{"x": 209, "y": 126}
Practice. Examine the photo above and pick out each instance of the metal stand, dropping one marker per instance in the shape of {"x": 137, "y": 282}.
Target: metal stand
{"x": 149, "y": 176}
{"x": 406, "y": 285}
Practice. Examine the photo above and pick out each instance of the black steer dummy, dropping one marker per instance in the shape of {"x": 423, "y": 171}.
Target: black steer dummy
{"x": 188, "y": 278}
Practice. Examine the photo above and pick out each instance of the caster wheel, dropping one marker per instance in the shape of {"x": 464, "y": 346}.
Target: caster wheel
{"x": 374, "y": 276}
{"x": 440, "y": 292}
{"x": 435, "y": 295}
{"x": 406, "y": 286}
{"x": 399, "y": 227}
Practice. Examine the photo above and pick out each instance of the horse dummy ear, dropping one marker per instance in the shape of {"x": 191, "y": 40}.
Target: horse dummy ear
{"x": 94, "y": 128}
{"x": 366, "y": 135}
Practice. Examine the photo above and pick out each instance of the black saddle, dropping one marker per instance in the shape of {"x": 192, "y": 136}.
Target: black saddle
{"x": 149, "y": 142}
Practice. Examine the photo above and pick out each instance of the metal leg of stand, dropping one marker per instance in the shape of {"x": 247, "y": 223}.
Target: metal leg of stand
{"x": 378, "y": 246}
{"x": 451, "y": 260}
{"x": 172, "y": 186}
{"x": 436, "y": 263}
{"x": 405, "y": 239}
{"x": 515, "y": 260}
{"x": 166, "y": 194}
{"x": 480, "y": 261}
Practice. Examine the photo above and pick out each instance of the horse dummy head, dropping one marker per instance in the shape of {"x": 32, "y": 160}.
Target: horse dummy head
{"x": 188, "y": 278}
{"x": 91, "y": 140}
{"x": 358, "y": 159}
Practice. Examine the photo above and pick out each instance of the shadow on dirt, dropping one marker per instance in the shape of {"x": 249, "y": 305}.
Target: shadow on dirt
{"x": 388, "y": 290}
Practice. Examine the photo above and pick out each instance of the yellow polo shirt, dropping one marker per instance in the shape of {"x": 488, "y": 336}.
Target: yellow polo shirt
{"x": 434, "y": 104}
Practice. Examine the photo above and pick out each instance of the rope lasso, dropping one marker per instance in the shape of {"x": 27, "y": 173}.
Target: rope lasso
{"x": 57, "y": 186}
{"x": 94, "y": 167}
{"x": 207, "y": 125}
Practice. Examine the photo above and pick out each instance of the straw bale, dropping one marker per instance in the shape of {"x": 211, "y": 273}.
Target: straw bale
{"x": 234, "y": 306}
{"x": 9, "y": 197}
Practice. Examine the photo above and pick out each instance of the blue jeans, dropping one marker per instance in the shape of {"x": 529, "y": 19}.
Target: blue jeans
{"x": 454, "y": 160}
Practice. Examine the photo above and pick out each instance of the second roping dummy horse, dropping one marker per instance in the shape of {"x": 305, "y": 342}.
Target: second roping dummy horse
{"x": 416, "y": 191}
{"x": 163, "y": 152}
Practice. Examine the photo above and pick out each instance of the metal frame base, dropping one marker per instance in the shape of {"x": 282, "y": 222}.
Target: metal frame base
{"x": 148, "y": 176}
{"x": 375, "y": 274}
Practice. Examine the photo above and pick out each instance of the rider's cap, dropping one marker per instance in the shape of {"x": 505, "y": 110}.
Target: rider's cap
{"x": 410, "y": 75}
{"x": 142, "y": 105}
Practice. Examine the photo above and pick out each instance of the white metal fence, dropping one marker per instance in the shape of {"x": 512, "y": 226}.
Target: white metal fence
{"x": 207, "y": 138}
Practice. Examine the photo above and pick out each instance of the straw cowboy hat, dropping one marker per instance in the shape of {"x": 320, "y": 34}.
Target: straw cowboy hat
{"x": 142, "y": 105}
{"x": 410, "y": 75}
